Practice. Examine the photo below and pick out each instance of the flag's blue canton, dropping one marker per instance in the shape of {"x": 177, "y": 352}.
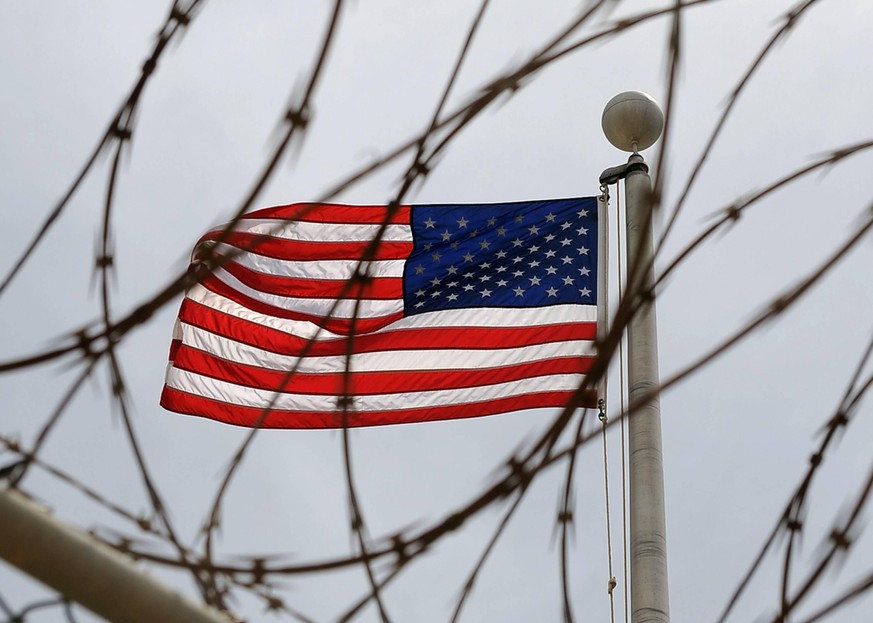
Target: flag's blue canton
{"x": 523, "y": 254}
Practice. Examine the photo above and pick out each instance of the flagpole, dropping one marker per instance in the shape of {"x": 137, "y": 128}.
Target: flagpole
{"x": 632, "y": 121}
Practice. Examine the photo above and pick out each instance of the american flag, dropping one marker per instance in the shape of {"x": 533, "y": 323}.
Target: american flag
{"x": 334, "y": 315}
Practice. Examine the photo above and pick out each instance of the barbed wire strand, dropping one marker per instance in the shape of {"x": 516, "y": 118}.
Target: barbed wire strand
{"x": 507, "y": 85}
{"x": 177, "y": 21}
{"x": 93, "y": 343}
{"x": 790, "y": 19}
{"x": 297, "y": 119}
{"x": 790, "y": 519}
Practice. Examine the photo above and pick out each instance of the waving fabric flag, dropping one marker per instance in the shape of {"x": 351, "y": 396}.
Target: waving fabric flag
{"x": 334, "y": 315}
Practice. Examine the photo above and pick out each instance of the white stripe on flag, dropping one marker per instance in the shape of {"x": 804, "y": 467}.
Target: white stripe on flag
{"x": 299, "y": 328}
{"x": 249, "y": 397}
{"x": 323, "y": 232}
{"x": 321, "y": 269}
{"x": 336, "y": 308}
{"x": 398, "y": 360}
{"x": 463, "y": 318}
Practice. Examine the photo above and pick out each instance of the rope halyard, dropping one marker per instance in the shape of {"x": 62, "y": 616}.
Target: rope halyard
{"x": 604, "y": 421}
{"x": 623, "y": 423}
{"x": 603, "y": 320}
{"x": 603, "y": 278}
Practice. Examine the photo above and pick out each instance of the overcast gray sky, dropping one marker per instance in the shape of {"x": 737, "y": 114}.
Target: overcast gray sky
{"x": 737, "y": 434}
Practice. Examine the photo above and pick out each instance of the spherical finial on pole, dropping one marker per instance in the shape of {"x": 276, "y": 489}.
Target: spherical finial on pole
{"x": 632, "y": 121}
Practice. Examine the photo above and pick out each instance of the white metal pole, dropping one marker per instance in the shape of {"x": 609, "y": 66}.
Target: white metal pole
{"x": 86, "y": 571}
{"x": 633, "y": 121}
{"x": 648, "y": 535}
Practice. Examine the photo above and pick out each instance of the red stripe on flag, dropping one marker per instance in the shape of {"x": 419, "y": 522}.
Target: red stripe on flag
{"x": 189, "y": 404}
{"x": 174, "y": 348}
{"x": 382, "y": 288}
{"x": 307, "y": 251}
{"x": 370, "y": 383}
{"x": 340, "y": 214}
{"x": 437, "y": 338}
{"x": 341, "y": 326}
